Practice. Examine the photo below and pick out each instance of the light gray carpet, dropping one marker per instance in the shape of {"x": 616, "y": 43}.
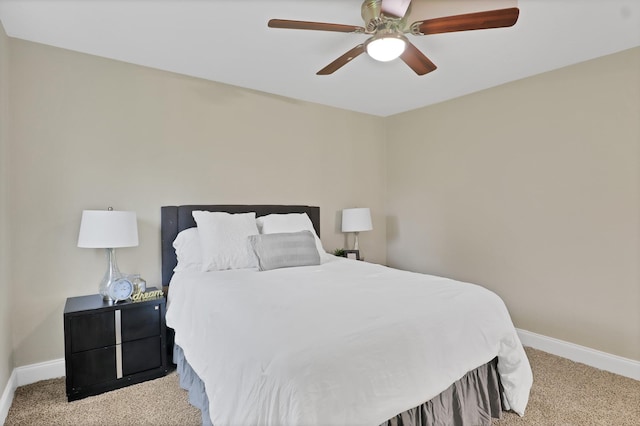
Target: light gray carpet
{"x": 156, "y": 402}
{"x": 564, "y": 393}
{"x": 569, "y": 393}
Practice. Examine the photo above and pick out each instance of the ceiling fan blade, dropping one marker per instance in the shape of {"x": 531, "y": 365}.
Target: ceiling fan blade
{"x": 320, "y": 26}
{"x": 470, "y": 21}
{"x": 416, "y": 60}
{"x": 342, "y": 60}
{"x": 395, "y": 8}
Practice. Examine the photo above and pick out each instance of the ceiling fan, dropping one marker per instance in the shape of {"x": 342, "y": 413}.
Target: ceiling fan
{"x": 386, "y": 21}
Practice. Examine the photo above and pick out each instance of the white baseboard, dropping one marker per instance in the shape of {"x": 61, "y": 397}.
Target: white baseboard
{"x": 7, "y": 396}
{"x": 592, "y": 357}
{"x": 41, "y": 371}
{"x": 28, "y": 374}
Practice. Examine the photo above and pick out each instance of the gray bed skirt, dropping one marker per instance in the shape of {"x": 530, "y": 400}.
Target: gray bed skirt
{"x": 190, "y": 381}
{"x": 471, "y": 401}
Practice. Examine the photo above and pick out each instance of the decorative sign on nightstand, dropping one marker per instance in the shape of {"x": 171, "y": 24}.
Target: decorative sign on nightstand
{"x": 147, "y": 295}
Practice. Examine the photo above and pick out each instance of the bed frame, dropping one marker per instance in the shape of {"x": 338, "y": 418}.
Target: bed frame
{"x": 174, "y": 219}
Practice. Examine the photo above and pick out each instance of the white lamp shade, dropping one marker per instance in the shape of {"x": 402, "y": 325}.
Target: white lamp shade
{"x": 356, "y": 220}
{"x": 108, "y": 229}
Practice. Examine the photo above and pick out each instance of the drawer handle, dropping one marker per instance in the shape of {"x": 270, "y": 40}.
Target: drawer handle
{"x": 118, "y": 327}
{"x": 118, "y": 324}
{"x": 118, "y": 361}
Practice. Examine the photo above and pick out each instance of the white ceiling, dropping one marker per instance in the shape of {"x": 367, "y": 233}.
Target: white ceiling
{"x": 228, "y": 41}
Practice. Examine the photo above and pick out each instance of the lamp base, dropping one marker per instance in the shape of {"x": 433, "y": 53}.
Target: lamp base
{"x": 111, "y": 274}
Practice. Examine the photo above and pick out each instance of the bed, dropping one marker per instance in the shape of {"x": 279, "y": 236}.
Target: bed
{"x": 341, "y": 342}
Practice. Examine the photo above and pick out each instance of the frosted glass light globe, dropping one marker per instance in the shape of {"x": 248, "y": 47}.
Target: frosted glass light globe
{"x": 385, "y": 49}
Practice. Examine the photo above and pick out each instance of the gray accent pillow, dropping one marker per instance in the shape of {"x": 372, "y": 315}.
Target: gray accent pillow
{"x": 284, "y": 250}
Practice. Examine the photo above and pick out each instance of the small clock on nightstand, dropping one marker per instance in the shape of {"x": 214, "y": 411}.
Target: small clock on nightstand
{"x": 120, "y": 289}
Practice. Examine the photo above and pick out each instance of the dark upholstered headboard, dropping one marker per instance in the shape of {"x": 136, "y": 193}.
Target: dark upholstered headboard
{"x": 174, "y": 219}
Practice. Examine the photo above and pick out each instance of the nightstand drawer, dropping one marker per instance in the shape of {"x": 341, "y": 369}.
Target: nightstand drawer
{"x": 93, "y": 367}
{"x": 141, "y": 321}
{"x": 141, "y": 355}
{"x": 92, "y": 331}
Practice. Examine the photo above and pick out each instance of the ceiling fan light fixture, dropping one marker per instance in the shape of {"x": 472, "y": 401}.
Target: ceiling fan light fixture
{"x": 386, "y": 47}
{"x": 387, "y": 22}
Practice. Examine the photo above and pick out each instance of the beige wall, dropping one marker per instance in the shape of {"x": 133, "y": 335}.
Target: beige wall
{"x": 90, "y": 133}
{"x": 531, "y": 189}
{"x": 6, "y": 353}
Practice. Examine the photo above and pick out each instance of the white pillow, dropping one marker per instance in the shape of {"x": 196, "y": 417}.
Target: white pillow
{"x": 223, "y": 237}
{"x": 188, "y": 250}
{"x": 289, "y": 222}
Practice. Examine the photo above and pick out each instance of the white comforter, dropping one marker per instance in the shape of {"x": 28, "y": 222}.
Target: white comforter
{"x": 342, "y": 343}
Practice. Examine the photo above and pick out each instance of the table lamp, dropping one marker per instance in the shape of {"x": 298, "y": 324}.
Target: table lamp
{"x": 108, "y": 229}
{"x": 356, "y": 220}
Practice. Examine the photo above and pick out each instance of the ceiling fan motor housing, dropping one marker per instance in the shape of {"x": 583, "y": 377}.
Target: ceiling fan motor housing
{"x": 374, "y": 19}
{"x": 371, "y": 14}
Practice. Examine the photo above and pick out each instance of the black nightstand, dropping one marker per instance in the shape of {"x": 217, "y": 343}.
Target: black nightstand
{"x": 109, "y": 346}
